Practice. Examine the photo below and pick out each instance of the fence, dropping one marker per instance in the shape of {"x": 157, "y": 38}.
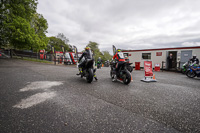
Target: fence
{"x": 22, "y": 54}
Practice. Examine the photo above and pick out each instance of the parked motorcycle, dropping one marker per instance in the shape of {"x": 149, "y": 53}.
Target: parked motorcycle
{"x": 88, "y": 70}
{"x": 123, "y": 74}
{"x": 193, "y": 71}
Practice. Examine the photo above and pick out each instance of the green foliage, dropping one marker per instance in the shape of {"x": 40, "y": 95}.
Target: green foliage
{"x": 40, "y": 25}
{"x": 57, "y": 43}
{"x": 96, "y": 51}
{"x": 21, "y": 33}
{"x": 36, "y": 60}
{"x": 21, "y": 26}
{"x": 63, "y": 37}
{"x": 106, "y": 56}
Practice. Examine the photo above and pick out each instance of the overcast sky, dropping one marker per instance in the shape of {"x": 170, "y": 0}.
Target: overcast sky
{"x": 127, "y": 24}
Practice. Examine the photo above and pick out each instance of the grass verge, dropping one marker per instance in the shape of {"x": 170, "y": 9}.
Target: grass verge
{"x": 36, "y": 60}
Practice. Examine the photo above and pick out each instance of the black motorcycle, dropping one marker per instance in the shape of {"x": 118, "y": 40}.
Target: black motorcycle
{"x": 129, "y": 67}
{"x": 123, "y": 74}
{"x": 88, "y": 70}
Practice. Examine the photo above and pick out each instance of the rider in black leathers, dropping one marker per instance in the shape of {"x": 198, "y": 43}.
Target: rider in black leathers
{"x": 99, "y": 61}
{"x": 87, "y": 55}
{"x": 195, "y": 59}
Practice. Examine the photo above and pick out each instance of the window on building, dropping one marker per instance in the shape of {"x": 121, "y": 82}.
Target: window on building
{"x": 146, "y": 55}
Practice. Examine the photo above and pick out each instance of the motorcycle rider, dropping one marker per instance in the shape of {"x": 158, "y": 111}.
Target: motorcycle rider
{"x": 195, "y": 59}
{"x": 99, "y": 61}
{"x": 86, "y": 55}
{"x": 120, "y": 60}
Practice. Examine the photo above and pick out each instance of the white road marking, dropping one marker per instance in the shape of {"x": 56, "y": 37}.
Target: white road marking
{"x": 39, "y": 97}
{"x": 40, "y": 85}
{"x": 34, "y": 100}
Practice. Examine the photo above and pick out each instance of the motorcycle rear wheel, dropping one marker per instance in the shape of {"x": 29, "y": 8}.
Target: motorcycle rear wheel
{"x": 190, "y": 74}
{"x": 89, "y": 77}
{"x": 127, "y": 78}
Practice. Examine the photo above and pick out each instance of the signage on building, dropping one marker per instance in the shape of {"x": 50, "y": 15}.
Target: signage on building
{"x": 158, "y": 53}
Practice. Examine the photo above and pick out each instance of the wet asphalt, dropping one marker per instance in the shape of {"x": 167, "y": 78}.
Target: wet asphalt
{"x": 170, "y": 105}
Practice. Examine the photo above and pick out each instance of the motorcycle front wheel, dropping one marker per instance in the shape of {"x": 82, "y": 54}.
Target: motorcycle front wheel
{"x": 89, "y": 77}
{"x": 190, "y": 74}
{"x": 127, "y": 78}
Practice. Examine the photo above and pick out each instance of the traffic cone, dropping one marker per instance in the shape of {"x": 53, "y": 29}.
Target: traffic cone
{"x": 131, "y": 78}
{"x": 154, "y": 76}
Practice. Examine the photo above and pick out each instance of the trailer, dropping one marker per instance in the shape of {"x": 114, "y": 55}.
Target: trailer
{"x": 159, "y": 56}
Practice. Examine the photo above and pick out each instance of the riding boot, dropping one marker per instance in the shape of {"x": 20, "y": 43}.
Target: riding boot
{"x": 95, "y": 76}
{"x": 114, "y": 78}
{"x": 80, "y": 71}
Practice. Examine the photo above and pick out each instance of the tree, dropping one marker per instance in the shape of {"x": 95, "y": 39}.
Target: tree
{"x": 40, "y": 25}
{"x": 106, "y": 56}
{"x": 16, "y": 23}
{"x": 21, "y": 26}
{"x": 57, "y": 43}
{"x": 95, "y": 48}
{"x": 63, "y": 37}
{"x": 3, "y": 12}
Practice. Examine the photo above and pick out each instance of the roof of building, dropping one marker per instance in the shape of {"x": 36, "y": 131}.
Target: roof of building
{"x": 195, "y": 47}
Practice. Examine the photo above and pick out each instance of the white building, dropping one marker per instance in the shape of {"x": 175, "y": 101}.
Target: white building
{"x": 180, "y": 55}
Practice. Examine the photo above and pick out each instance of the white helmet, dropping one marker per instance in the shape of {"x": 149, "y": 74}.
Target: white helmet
{"x": 194, "y": 56}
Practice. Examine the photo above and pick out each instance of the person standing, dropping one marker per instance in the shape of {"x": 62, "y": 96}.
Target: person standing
{"x": 169, "y": 60}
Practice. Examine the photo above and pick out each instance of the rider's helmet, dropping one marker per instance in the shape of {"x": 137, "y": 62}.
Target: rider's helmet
{"x": 87, "y": 48}
{"x": 194, "y": 56}
{"x": 99, "y": 57}
{"x": 118, "y": 50}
